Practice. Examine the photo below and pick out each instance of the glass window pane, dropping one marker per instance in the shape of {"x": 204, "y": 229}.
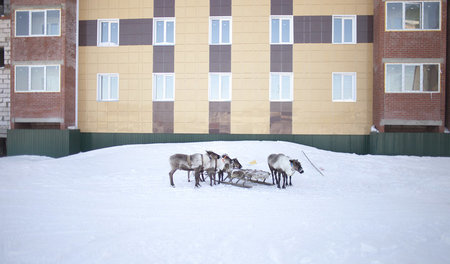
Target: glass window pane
{"x": 431, "y": 78}
{"x": 214, "y": 87}
{"x": 104, "y": 86}
{"x": 394, "y": 16}
{"x": 412, "y": 16}
{"x": 170, "y": 32}
{"x": 22, "y": 23}
{"x": 348, "y": 87}
{"x": 159, "y": 31}
{"x": 412, "y": 78}
{"x": 225, "y": 85}
{"x": 337, "y": 86}
{"x": 114, "y": 83}
{"x": 215, "y": 31}
{"x": 348, "y": 30}
{"x": 431, "y": 15}
{"x": 275, "y": 87}
{"x": 37, "y": 23}
{"x": 225, "y": 32}
{"x": 53, "y": 22}
{"x": 37, "y": 78}
{"x": 337, "y": 27}
{"x": 105, "y": 28}
{"x": 22, "y": 78}
{"x": 169, "y": 87}
{"x": 394, "y": 78}
{"x": 275, "y": 31}
{"x": 286, "y": 30}
{"x": 286, "y": 87}
{"x": 159, "y": 89}
{"x": 52, "y": 78}
{"x": 115, "y": 33}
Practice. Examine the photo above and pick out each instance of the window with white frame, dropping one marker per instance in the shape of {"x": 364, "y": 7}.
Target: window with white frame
{"x": 344, "y": 86}
{"x": 344, "y": 29}
{"x": 163, "y": 86}
{"x": 108, "y": 32}
{"x": 281, "y": 86}
{"x": 37, "y": 78}
{"x": 164, "y": 31}
{"x": 409, "y": 78}
{"x": 219, "y": 86}
{"x": 220, "y": 30}
{"x": 38, "y": 23}
{"x": 417, "y": 15}
{"x": 281, "y": 30}
{"x": 107, "y": 87}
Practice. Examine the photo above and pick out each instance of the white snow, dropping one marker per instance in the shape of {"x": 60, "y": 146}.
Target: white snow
{"x": 116, "y": 205}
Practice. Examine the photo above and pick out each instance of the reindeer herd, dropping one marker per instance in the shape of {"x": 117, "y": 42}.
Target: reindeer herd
{"x": 280, "y": 165}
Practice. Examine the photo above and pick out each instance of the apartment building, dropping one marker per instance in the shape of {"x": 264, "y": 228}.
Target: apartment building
{"x": 5, "y": 50}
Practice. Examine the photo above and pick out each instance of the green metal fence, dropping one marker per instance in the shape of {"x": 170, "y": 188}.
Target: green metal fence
{"x": 59, "y": 143}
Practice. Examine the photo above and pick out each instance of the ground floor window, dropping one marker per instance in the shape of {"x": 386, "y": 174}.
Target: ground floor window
{"x": 163, "y": 86}
{"x": 344, "y": 86}
{"x": 412, "y": 77}
{"x": 108, "y": 87}
{"x": 37, "y": 78}
{"x": 281, "y": 86}
{"x": 220, "y": 86}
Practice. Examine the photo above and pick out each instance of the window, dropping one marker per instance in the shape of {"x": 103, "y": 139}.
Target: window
{"x": 409, "y": 78}
{"x": 108, "y": 32}
{"x": 163, "y": 86}
{"x": 107, "y": 87}
{"x": 164, "y": 31}
{"x": 344, "y": 29}
{"x": 220, "y": 86}
{"x": 281, "y": 86}
{"x": 344, "y": 86}
{"x": 43, "y": 78}
{"x": 418, "y": 15}
{"x": 38, "y": 23}
{"x": 220, "y": 30}
{"x": 281, "y": 30}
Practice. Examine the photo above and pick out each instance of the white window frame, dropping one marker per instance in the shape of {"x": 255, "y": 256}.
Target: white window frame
{"x": 220, "y": 74}
{"x": 164, "y": 99}
{"x": 291, "y": 90}
{"x": 45, "y": 78}
{"x": 30, "y": 23}
{"x": 403, "y": 77}
{"x": 421, "y": 15}
{"x": 220, "y": 18}
{"x": 291, "y": 29}
{"x": 99, "y": 92}
{"x": 165, "y": 20}
{"x": 345, "y": 17}
{"x": 354, "y": 86}
{"x": 109, "y": 43}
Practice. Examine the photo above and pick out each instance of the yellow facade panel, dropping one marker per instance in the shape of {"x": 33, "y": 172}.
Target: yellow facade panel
{"x": 332, "y": 7}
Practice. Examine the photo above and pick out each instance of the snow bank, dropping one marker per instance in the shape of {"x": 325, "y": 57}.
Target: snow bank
{"x": 116, "y": 205}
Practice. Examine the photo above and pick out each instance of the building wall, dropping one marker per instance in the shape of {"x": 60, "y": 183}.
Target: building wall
{"x": 311, "y": 112}
{"x": 5, "y": 33}
{"x": 425, "y": 109}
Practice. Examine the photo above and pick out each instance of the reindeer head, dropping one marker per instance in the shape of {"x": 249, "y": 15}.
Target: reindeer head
{"x": 212, "y": 155}
{"x": 226, "y": 159}
{"x": 235, "y": 164}
{"x": 296, "y": 165}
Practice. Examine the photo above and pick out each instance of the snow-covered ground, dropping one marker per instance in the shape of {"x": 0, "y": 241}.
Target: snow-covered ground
{"x": 115, "y": 205}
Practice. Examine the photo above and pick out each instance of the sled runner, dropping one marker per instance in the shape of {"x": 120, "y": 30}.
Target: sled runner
{"x": 246, "y": 178}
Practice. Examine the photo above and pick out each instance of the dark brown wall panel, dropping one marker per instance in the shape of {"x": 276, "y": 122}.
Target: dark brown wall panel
{"x": 163, "y": 117}
{"x": 281, "y": 118}
{"x": 364, "y": 29}
{"x": 88, "y": 33}
{"x": 136, "y": 31}
{"x": 281, "y": 58}
{"x": 220, "y": 7}
{"x": 219, "y": 117}
{"x": 220, "y": 58}
{"x": 163, "y": 58}
{"x": 312, "y": 29}
{"x": 281, "y": 7}
{"x": 164, "y": 8}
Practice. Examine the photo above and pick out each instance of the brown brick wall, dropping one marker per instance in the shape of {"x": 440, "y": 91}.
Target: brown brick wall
{"x": 404, "y": 45}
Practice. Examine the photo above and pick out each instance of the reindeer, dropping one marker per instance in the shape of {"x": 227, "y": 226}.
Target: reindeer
{"x": 229, "y": 164}
{"x": 195, "y": 162}
{"x": 280, "y": 164}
